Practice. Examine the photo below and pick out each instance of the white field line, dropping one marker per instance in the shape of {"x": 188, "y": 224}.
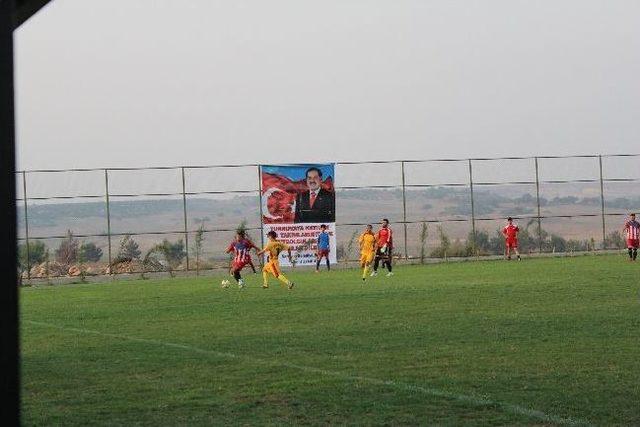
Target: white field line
{"x": 469, "y": 399}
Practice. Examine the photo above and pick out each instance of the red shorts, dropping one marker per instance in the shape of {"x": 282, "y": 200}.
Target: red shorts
{"x": 633, "y": 243}
{"x": 511, "y": 243}
{"x": 323, "y": 252}
{"x": 238, "y": 265}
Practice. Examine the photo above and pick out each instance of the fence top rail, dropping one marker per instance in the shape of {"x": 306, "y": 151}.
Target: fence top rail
{"x": 588, "y": 156}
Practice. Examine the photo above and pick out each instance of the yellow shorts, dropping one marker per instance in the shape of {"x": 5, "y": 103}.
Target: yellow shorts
{"x": 367, "y": 257}
{"x": 272, "y": 267}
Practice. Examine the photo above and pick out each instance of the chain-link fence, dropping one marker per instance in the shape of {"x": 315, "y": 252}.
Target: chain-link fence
{"x": 115, "y": 220}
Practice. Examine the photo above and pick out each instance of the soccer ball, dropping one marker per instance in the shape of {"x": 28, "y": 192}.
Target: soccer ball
{"x": 224, "y": 283}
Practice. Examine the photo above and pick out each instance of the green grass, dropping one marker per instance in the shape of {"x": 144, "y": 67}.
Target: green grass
{"x": 477, "y": 343}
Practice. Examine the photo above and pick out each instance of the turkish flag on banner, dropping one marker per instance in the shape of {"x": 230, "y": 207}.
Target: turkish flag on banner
{"x": 279, "y": 197}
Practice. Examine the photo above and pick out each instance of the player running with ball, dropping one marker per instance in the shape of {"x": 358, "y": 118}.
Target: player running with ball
{"x": 510, "y": 233}
{"x": 273, "y": 249}
{"x": 632, "y": 231}
{"x": 241, "y": 248}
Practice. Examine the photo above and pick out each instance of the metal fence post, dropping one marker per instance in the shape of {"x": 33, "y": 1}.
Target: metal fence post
{"x": 473, "y": 211}
{"x": 184, "y": 212}
{"x": 106, "y": 194}
{"x": 602, "y": 213}
{"x": 26, "y": 224}
{"x": 260, "y": 206}
{"x": 538, "y": 205}
{"x": 404, "y": 211}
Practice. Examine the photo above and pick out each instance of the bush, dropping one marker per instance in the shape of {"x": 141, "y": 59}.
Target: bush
{"x": 614, "y": 240}
{"x": 173, "y": 252}
{"x": 448, "y": 249}
{"x": 165, "y": 256}
{"x": 90, "y": 252}
{"x": 37, "y": 251}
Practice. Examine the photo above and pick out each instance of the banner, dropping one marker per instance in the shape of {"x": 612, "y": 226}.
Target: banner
{"x": 296, "y": 201}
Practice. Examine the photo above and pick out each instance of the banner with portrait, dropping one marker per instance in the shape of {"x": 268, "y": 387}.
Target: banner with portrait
{"x": 296, "y": 201}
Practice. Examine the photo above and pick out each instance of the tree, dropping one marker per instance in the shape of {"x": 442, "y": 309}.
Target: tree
{"x": 242, "y": 228}
{"x": 89, "y": 252}
{"x": 424, "y": 233}
{"x": 129, "y": 250}
{"x": 445, "y": 244}
{"x": 526, "y": 242}
{"x": 47, "y": 256}
{"x": 349, "y": 247}
{"x": 197, "y": 246}
{"x": 67, "y": 252}
{"x": 36, "y": 254}
{"x": 483, "y": 246}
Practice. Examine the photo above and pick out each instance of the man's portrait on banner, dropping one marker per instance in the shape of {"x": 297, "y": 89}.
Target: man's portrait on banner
{"x": 314, "y": 203}
{"x": 298, "y": 194}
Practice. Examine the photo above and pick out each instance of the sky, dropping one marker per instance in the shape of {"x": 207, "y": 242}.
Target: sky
{"x": 158, "y": 82}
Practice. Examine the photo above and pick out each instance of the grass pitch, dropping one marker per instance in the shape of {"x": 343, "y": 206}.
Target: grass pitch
{"x": 544, "y": 342}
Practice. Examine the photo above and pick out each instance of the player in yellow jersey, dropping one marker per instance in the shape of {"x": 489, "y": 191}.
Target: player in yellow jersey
{"x": 273, "y": 249}
{"x": 367, "y": 241}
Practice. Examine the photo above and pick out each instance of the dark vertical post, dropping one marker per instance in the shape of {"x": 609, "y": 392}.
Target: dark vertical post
{"x": 538, "y": 205}
{"x": 473, "y": 210}
{"x": 404, "y": 211}
{"x": 9, "y": 378}
{"x": 106, "y": 199}
{"x": 602, "y": 213}
{"x": 260, "y": 207}
{"x": 26, "y": 223}
{"x": 184, "y": 214}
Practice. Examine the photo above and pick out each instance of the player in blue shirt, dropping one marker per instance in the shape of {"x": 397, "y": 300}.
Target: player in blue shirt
{"x": 323, "y": 248}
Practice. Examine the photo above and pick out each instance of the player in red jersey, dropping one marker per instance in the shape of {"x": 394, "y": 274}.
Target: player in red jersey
{"x": 241, "y": 248}
{"x": 632, "y": 231}
{"x": 384, "y": 243}
{"x": 248, "y": 258}
{"x": 510, "y": 233}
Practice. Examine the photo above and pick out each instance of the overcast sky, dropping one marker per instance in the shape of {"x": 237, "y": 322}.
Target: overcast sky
{"x": 148, "y": 82}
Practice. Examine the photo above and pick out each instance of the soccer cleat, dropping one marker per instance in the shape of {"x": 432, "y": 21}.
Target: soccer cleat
{"x": 291, "y": 284}
{"x": 265, "y": 286}
{"x": 373, "y": 273}
{"x": 364, "y": 279}
{"x": 241, "y": 283}
{"x": 519, "y": 259}
{"x": 389, "y": 274}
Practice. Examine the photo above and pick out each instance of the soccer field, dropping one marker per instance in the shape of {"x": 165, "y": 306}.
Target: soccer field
{"x": 542, "y": 341}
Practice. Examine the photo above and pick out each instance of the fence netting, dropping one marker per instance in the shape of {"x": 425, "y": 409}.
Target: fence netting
{"x": 138, "y": 220}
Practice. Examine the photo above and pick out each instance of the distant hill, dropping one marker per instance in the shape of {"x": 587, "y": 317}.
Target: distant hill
{"x": 437, "y": 202}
